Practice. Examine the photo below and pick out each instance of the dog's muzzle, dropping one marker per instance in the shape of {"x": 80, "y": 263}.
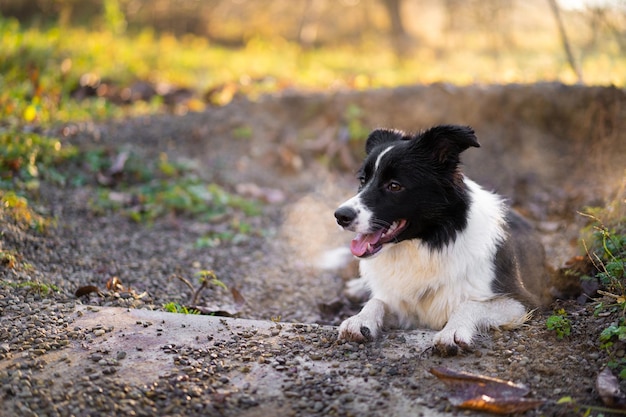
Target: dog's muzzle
{"x": 345, "y": 216}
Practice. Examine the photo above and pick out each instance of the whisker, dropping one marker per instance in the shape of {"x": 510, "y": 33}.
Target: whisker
{"x": 381, "y": 223}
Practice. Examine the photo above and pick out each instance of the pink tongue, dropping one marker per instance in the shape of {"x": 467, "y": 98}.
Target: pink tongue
{"x": 359, "y": 244}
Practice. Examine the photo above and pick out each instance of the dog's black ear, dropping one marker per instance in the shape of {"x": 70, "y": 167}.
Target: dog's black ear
{"x": 382, "y": 136}
{"x": 446, "y": 142}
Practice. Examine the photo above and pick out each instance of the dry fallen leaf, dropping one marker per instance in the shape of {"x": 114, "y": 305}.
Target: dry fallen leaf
{"x": 237, "y": 297}
{"x": 86, "y": 289}
{"x": 114, "y": 284}
{"x": 226, "y": 309}
{"x": 483, "y": 393}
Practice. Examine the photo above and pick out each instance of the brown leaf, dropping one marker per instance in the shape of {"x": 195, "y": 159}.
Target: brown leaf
{"x": 86, "y": 289}
{"x": 237, "y": 297}
{"x": 500, "y": 405}
{"x": 608, "y": 389}
{"x": 483, "y": 393}
{"x": 114, "y": 284}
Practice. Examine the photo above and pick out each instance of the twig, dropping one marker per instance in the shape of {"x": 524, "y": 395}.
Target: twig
{"x": 185, "y": 281}
{"x": 194, "y": 299}
{"x": 568, "y": 51}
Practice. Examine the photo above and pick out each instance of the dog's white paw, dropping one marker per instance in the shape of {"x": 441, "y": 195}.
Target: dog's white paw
{"x": 366, "y": 325}
{"x": 451, "y": 340}
{"x": 359, "y": 329}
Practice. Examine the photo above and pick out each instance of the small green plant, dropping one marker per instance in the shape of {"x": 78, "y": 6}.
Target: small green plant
{"x": 26, "y": 158}
{"x": 173, "y": 307}
{"x": 9, "y": 259}
{"x": 237, "y": 232}
{"x": 585, "y": 410}
{"x": 207, "y": 276}
{"x": 242, "y": 132}
{"x": 559, "y": 323}
{"x": 604, "y": 240}
{"x": 41, "y": 288}
{"x": 147, "y": 190}
{"x": 16, "y": 208}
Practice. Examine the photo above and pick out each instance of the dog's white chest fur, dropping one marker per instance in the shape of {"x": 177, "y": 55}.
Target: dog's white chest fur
{"x": 422, "y": 287}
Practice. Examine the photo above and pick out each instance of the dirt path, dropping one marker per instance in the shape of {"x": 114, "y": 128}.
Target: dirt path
{"x": 59, "y": 357}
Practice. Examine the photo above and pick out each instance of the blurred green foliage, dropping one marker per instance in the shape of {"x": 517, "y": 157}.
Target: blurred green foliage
{"x": 25, "y": 158}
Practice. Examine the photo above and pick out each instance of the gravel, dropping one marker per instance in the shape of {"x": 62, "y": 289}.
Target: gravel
{"x": 52, "y": 364}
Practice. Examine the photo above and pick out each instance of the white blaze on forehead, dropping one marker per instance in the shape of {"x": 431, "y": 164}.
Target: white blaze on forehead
{"x": 380, "y": 157}
{"x": 364, "y": 214}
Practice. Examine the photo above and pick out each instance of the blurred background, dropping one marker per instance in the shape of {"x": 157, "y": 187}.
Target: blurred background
{"x": 188, "y": 54}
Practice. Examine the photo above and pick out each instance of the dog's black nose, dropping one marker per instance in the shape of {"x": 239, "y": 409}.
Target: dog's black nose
{"x": 345, "y": 216}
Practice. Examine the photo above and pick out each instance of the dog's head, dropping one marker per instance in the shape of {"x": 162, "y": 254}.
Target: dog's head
{"x": 411, "y": 187}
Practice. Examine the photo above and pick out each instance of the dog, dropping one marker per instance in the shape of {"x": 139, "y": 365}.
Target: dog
{"x": 436, "y": 250}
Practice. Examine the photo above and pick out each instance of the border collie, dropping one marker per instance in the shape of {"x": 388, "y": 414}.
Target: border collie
{"x": 436, "y": 250}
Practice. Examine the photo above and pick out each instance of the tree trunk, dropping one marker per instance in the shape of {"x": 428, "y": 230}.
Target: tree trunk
{"x": 568, "y": 51}
{"x": 395, "y": 18}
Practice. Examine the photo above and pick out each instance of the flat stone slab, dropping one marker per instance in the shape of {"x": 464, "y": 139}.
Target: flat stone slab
{"x": 237, "y": 366}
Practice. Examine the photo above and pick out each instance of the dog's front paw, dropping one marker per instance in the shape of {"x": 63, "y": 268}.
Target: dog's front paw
{"x": 358, "y": 329}
{"x": 452, "y": 341}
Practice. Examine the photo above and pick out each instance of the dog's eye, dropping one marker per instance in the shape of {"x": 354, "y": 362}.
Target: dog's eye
{"x": 394, "y": 187}
{"x": 361, "y": 181}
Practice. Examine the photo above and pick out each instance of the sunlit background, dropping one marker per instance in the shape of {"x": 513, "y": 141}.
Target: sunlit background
{"x": 192, "y": 53}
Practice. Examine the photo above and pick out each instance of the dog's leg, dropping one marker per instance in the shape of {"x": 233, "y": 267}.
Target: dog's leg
{"x": 357, "y": 290}
{"x": 366, "y": 325}
{"x": 471, "y": 317}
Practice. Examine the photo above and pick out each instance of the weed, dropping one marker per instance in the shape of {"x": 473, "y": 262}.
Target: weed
{"x": 147, "y": 190}
{"x": 173, "y": 307}
{"x": 604, "y": 240}
{"x": 25, "y": 158}
{"x": 17, "y": 208}
{"x": 587, "y": 409}
{"x": 186, "y": 196}
{"x": 242, "y": 132}
{"x": 237, "y": 232}
{"x": 9, "y": 259}
{"x": 39, "y": 287}
{"x": 208, "y": 277}
{"x": 559, "y": 323}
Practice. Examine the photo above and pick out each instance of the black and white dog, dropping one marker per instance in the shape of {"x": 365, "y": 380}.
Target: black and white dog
{"x": 436, "y": 250}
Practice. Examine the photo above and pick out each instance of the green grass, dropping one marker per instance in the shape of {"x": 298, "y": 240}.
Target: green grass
{"x": 604, "y": 240}
{"x": 147, "y": 190}
{"x": 173, "y": 307}
{"x": 27, "y": 158}
{"x": 34, "y": 286}
{"x": 16, "y": 208}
